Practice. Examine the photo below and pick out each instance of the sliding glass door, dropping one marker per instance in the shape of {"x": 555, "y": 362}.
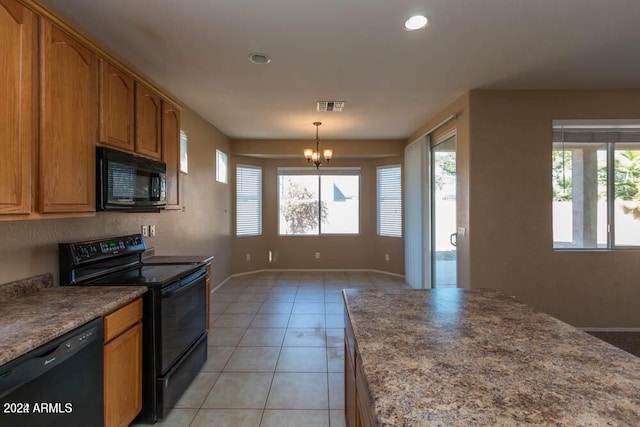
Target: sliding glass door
{"x": 443, "y": 214}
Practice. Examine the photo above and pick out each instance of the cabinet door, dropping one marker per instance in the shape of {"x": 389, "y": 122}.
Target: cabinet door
{"x": 123, "y": 378}
{"x": 350, "y": 401}
{"x": 68, "y": 122}
{"x": 148, "y": 112}
{"x": 18, "y": 38}
{"x": 117, "y": 97}
{"x": 171, "y": 152}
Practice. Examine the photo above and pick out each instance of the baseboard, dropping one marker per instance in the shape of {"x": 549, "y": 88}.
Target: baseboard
{"x": 610, "y": 329}
{"x": 220, "y": 284}
{"x": 363, "y": 270}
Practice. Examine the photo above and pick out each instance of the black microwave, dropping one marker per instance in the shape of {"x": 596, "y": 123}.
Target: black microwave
{"x": 128, "y": 182}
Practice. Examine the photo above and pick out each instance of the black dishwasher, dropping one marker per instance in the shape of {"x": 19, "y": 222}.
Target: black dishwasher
{"x": 58, "y": 384}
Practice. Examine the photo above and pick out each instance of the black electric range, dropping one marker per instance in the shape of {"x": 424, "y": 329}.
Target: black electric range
{"x": 152, "y": 276}
{"x": 174, "y": 335}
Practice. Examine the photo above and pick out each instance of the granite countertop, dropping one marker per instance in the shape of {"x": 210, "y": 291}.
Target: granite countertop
{"x": 27, "y": 322}
{"x": 478, "y": 357}
{"x": 177, "y": 259}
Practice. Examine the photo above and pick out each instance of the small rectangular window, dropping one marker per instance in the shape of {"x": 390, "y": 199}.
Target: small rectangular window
{"x": 221, "y": 167}
{"x": 184, "y": 159}
{"x": 248, "y": 200}
{"x": 389, "y": 200}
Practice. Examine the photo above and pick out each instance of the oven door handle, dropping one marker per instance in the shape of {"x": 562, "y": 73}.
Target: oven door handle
{"x": 184, "y": 284}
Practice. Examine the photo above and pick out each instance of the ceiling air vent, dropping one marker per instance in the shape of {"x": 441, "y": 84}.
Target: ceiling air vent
{"x": 329, "y": 106}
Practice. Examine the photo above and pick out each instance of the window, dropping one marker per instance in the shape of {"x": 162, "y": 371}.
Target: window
{"x": 184, "y": 159}
{"x": 313, "y": 202}
{"x": 389, "y": 201}
{"x": 596, "y": 184}
{"x": 248, "y": 200}
{"x": 221, "y": 167}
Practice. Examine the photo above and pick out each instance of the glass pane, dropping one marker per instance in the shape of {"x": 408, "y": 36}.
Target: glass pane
{"x": 579, "y": 182}
{"x": 221, "y": 167}
{"x": 443, "y": 205}
{"x": 340, "y": 199}
{"x": 299, "y": 207}
{"x": 627, "y": 191}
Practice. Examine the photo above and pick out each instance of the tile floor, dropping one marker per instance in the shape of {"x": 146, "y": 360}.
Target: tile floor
{"x": 275, "y": 355}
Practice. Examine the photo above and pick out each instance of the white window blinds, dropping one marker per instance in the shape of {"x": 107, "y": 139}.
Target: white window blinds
{"x": 389, "y": 201}
{"x": 248, "y": 200}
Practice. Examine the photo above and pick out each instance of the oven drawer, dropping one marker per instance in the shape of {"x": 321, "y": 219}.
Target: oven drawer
{"x": 172, "y": 385}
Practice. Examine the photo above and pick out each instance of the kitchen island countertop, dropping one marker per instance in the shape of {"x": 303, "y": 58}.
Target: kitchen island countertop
{"x": 478, "y": 357}
{"x": 28, "y": 322}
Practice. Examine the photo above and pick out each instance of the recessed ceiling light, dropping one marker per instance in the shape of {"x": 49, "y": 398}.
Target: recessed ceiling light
{"x": 258, "y": 58}
{"x": 416, "y": 22}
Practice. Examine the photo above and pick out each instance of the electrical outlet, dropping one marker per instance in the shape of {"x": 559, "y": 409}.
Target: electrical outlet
{"x": 386, "y": 257}
{"x": 152, "y": 230}
{"x": 144, "y": 230}
{"x": 317, "y": 255}
{"x": 248, "y": 257}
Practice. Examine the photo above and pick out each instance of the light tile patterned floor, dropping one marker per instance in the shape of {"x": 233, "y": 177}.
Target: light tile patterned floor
{"x": 276, "y": 355}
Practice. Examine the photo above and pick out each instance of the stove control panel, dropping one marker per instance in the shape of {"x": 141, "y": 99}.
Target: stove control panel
{"x": 99, "y": 249}
{"x": 112, "y": 246}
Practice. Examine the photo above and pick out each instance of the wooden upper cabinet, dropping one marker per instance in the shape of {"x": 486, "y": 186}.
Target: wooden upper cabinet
{"x": 18, "y": 31}
{"x": 68, "y": 122}
{"x": 117, "y": 113}
{"x": 148, "y": 112}
{"x": 171, "y": 152}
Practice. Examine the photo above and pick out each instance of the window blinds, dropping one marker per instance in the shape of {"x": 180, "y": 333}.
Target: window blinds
{"x": 248, "y": 200}
{"x": 599, "y": 131}
{"x": 389, "y": 201}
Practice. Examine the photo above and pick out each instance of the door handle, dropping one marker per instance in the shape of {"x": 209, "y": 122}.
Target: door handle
{"x": 453, "y": 239}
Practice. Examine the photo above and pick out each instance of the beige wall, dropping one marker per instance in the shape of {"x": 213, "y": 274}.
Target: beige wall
{"x": 510, "y": 230}
{"x": 28, "y": 248}
{"x": 364, "y": 251}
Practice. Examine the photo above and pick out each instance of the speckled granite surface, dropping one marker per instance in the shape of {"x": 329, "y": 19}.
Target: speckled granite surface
{"x": 477, "y": 357}
{"x": 24, "y": 287}
{"x": 178, "y": 259}
{"x": 28, "y": 322}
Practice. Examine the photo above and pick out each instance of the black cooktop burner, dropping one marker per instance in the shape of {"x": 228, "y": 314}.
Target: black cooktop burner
{"x": 150, "y": 275}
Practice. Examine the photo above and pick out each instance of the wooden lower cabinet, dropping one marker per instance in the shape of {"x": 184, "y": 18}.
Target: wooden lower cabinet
{"x": 350, "y": 399}
{"x": 358, "y": 409}
{"x": 123, "y": 365}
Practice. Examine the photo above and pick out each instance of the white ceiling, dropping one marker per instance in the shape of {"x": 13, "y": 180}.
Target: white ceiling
{"x": 359, "y": 52}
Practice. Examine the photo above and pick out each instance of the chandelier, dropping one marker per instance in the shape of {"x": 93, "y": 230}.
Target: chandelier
{"x": 313, "y": 156}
